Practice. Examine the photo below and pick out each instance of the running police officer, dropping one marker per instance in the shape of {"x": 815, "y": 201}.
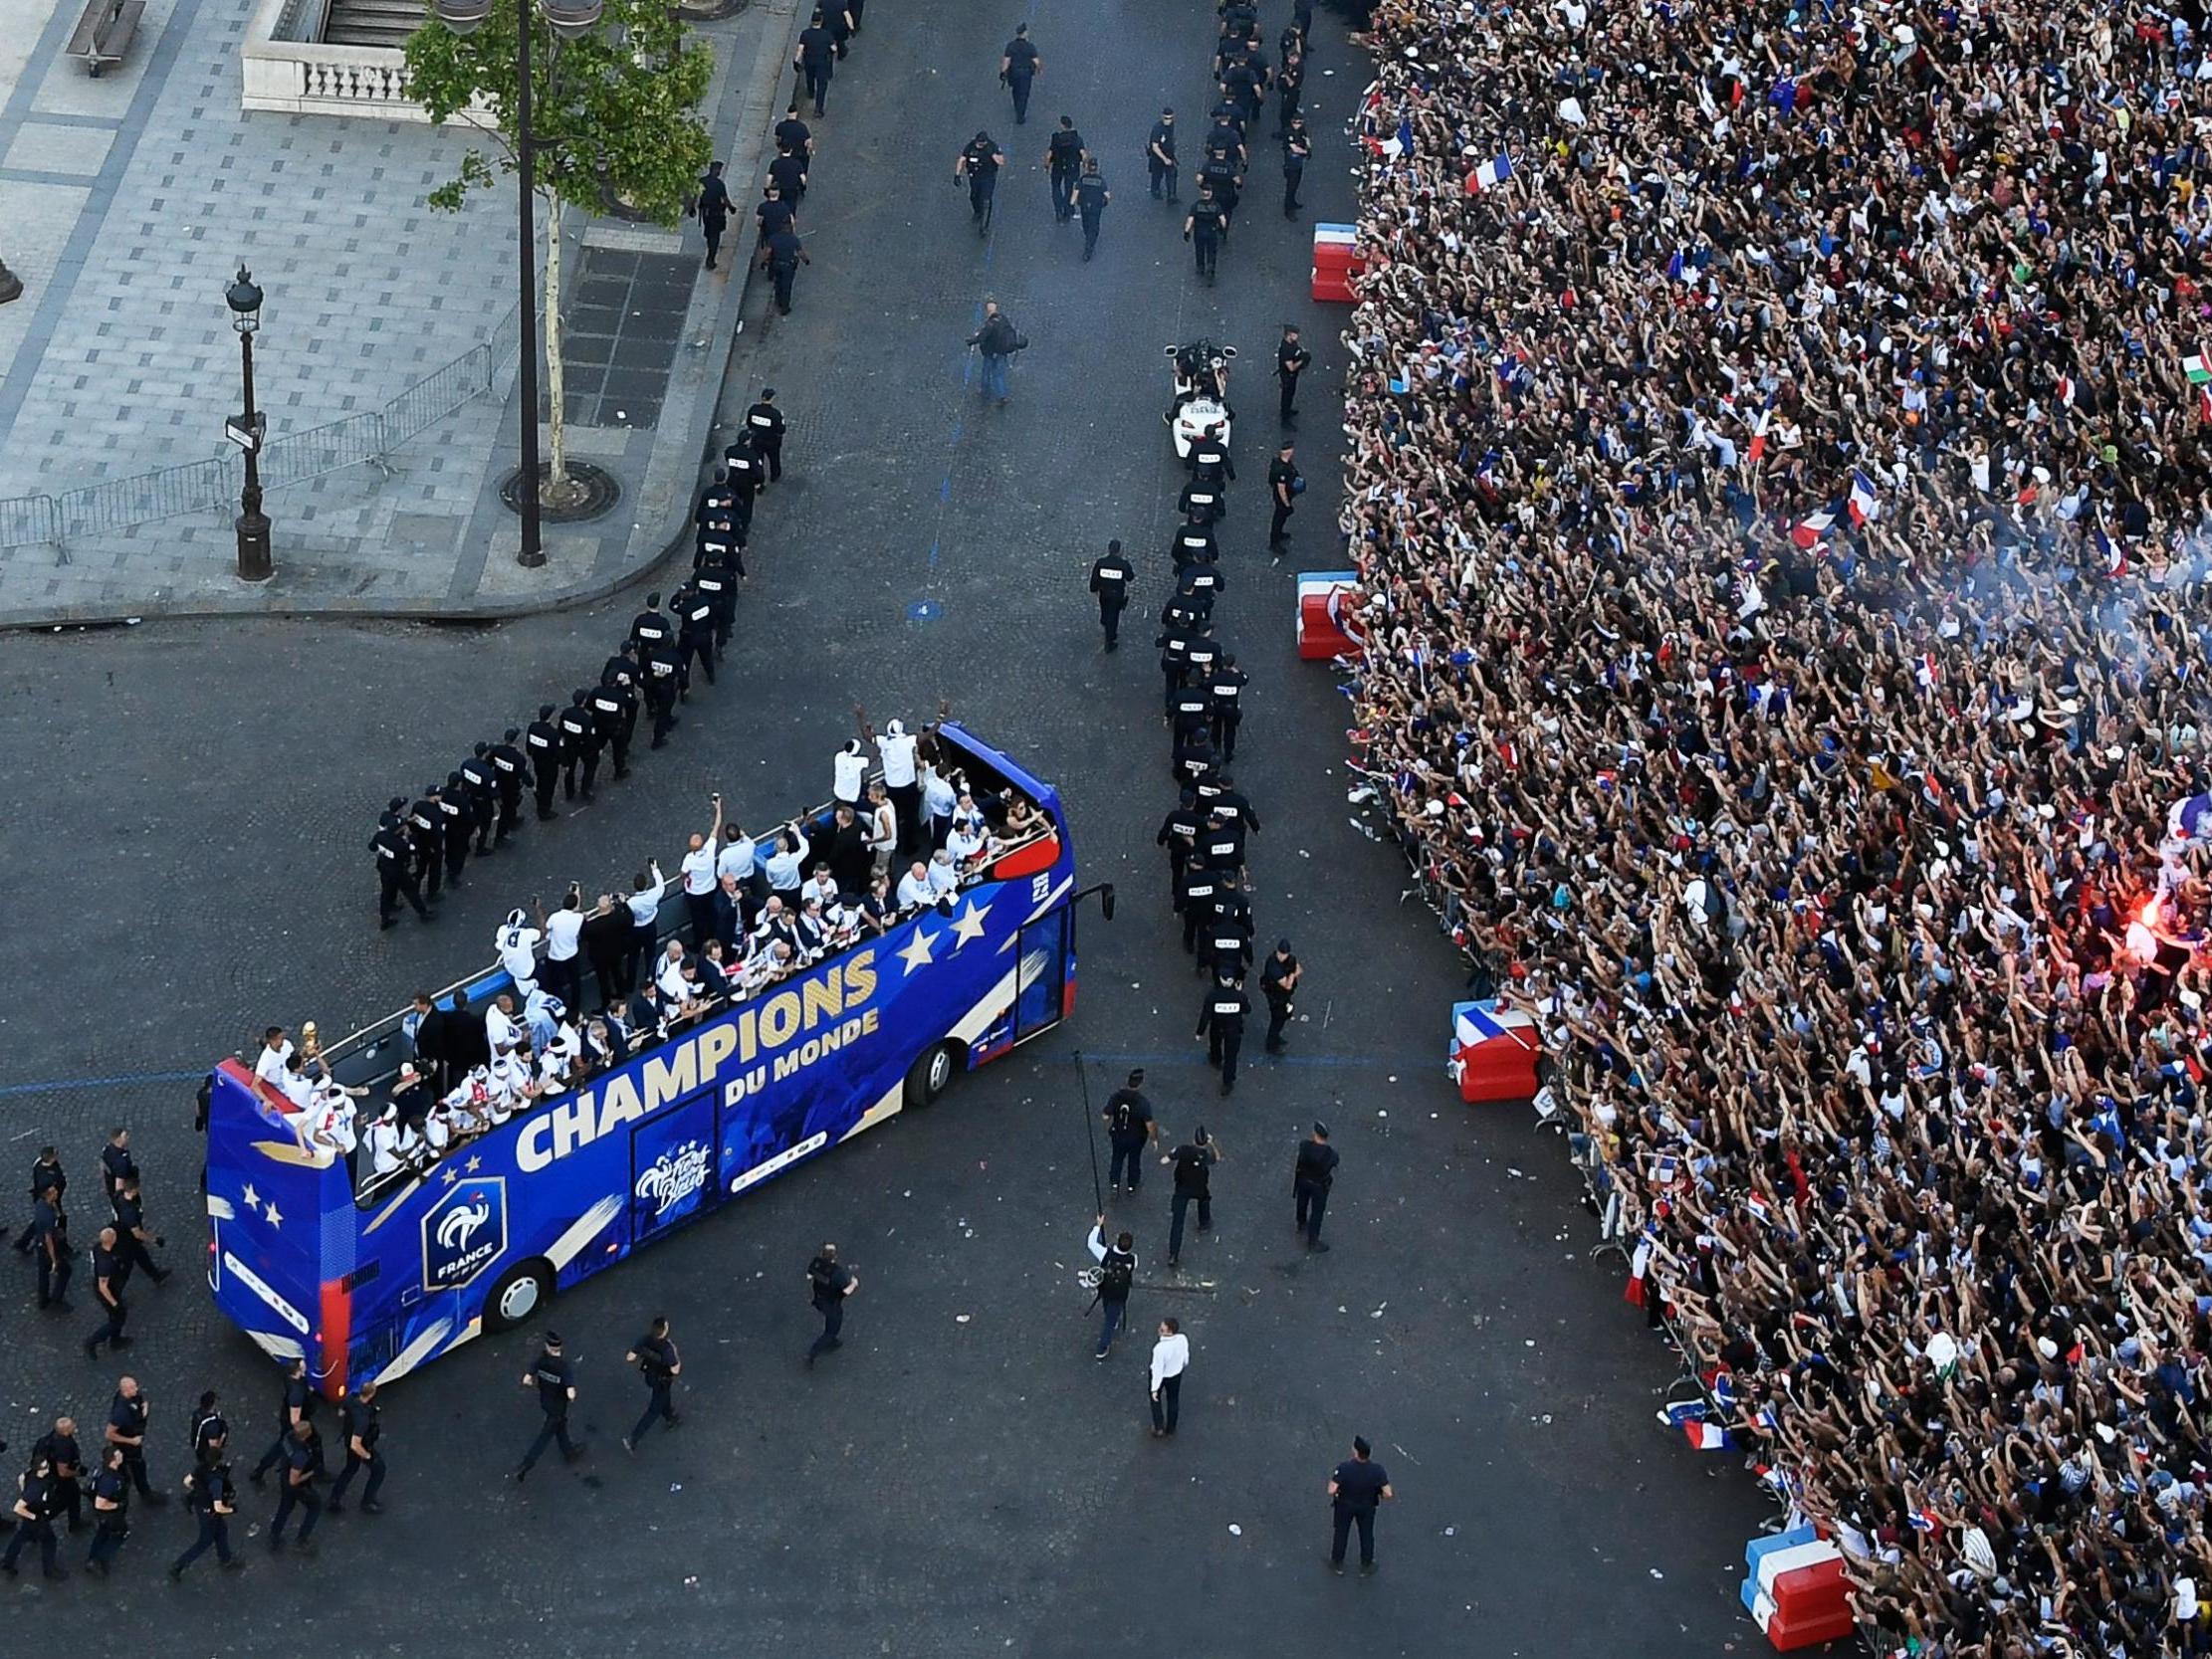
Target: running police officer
{"x": 542, "y": 742}
{"x": 1160, "y": 156}
{"x": 213, "y": 1500}
{"x": 1291, "y": 360}
{"x": 555, "y": 1378}
{"x": 1221, "y": 1024}
{"x": 1205, "y": 227}
{"x": 302, "y": 1466}
{"x": 765, "y": 422}
{"x": 1278, "y": 983}
{"x": 657, "y": 1361}
{"x": 510, "y": 773}
{"x": 1130, "y": 1128}
{"x": 1110, "y": 580}
{"x": 294, "y": 1407}
{"x": 1178, "y": 833}
{"x": 1091, "y": 197}
{"x": 1063, "y": 161}
{"x": 361, "y": 1422}
{"x": 579, "y": 745}
{"x": 110, "y": 1513}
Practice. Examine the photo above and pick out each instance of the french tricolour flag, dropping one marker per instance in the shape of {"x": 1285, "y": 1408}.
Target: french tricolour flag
{"x": 1640, "y": 1265}
{"x": 1812, "y": 527}
{"x": 1863, "y": 503}
{"x": 1488, "y": 175}
{"x": 1709, "y": 1437}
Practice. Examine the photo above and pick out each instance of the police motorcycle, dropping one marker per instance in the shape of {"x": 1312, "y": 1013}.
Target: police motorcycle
{"x": 1201, "y": 407}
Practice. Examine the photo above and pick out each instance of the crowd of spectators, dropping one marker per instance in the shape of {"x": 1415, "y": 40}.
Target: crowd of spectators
{"x": 1778, "y": 473}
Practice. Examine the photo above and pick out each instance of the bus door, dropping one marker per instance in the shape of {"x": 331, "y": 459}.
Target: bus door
{"x": 1039, "y": 996}
{"x": 672, "y": 1167}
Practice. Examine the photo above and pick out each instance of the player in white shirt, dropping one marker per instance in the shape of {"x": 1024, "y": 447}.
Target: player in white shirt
{"x": 699, "y": 877}
{"x": 901, "y": 783}
{"x": 501, "y": 1028}
{"x": 669, "y": 975}
{"x": 517, "y": 942}
{"x": 847, "y": 772}
{"x": 383, "y": 1144}
{"x": 563, "y": 930}
{"x": 274, "y": 1054}
{"x": 939, "y": 799}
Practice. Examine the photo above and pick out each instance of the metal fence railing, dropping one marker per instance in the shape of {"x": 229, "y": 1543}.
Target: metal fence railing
{"x": 212, "y": 485}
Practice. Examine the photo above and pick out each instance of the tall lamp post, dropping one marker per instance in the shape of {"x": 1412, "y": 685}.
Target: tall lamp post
{"x": 244, "y": 300}
{"x": 570, "y": 20}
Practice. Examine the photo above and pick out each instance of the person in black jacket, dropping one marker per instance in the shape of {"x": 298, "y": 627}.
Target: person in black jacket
{"x": 1310, "y": 1179}
{"x": 713, "y": 208}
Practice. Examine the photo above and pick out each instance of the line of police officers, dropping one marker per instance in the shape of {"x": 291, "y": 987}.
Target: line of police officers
{"x": 421, "y": 848}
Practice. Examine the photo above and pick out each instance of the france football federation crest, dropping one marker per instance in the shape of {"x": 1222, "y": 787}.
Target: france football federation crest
{"x": 463, "y": 1233}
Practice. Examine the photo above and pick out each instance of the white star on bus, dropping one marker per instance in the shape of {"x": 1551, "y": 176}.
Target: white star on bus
{"x": 916, "y": 952}
{"x": 253, "y": 1199}
{"x": 275, "y": 1220}
{"x": 971, "y": 924}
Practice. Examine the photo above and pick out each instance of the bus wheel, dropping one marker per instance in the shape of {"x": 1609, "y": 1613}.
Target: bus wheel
{"x": 930, "y": 1076}
{"x": 522, "y": 1291}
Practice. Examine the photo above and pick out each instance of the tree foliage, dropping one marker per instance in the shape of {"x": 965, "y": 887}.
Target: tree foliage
{"x": 615, "y": 109}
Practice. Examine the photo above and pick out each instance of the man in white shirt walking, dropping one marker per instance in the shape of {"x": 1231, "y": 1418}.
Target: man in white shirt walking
{"x": 1171, "y": 1358}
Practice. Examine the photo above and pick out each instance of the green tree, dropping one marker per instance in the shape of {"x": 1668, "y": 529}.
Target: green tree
{"x": 615, "y": 110}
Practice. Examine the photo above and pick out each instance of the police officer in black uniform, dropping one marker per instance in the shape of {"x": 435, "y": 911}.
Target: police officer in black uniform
{"x": 1019, "y": 67}
{"x": 1205, "y": 227}
{"x": 815, "y": 58}
{"x": 1230, "y": 801}
{"x": 303, "y": 1468}
{"x": 1226, "y": 941}
{"x": 49, "y": 1245}
{"x": 132, "y": 1235}
{"x": 456, "y": 825}
{"x": 1312, "y": 1176}
{"x": 651, "y": 625}
{"x": 1284, "y": 485}
{"x": 978, "y": 163}
{"x": 782, "y": 254}
{"x": 1063, "y": 161}
{"x": 1174, "y": 657}
{"x": 1291, "y": 360}
{"x": 126, "y": 1429}
{"x": 1210, "y": 464}
{"x": 1193, "y": 755}
{"x": 1203, "y": 652}
{"x": 1221, "y": 1024}
{"x": 613, "y": 717}
{"x": 695, "y": 637}
{"x": 295, "y": 1407}
{"x": 1110, "y": 580}
{"x": 579, "y": 745}
{"x": 1191, "y": 724}
{"x": 1279, "y": 982}
{"x": 1290, "y": 80}
{"x": 717, "y": 583}
{"x": 213, "y": 1500}
{"x": 1223, "y": 178}
{"x": 1297, "y": 149}
{"x": 362, "y": 1421}
{"x": 66, "y": 1458}
{"x": 481, "y": 780}
{"x": 109, "y": 1274}
{"x": 1130, "y": 1128}
{"x": 1225, "y": 687}
{"x": 543, "y": 743}
{"x": 1178, "y": 833}
{"x": 555, "y": 1378}
{"x": 764, "y": 421}
{"x": 46, "y": 1176}
{"x": 1202, "y": 498}
{"x": 210, "y": 1431}
{"x": 426, "y": 837}
{"x": 110, "y": 1513}
{"x": 116, "y": 1165}
{"x": 33, "y": 1510}
{"x": 1160, "y": 161}
{"x": 511, "y": 770}
{"x": 743, "y": 470}
{"x": 1195, "y": 898}
{"x": 660, "y": 669}
{"x": 657, "y": 1361}
{"x": 1091, "y": 197}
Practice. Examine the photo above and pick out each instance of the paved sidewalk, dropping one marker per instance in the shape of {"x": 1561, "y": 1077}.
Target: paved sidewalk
{"x": 130, "y": 200}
